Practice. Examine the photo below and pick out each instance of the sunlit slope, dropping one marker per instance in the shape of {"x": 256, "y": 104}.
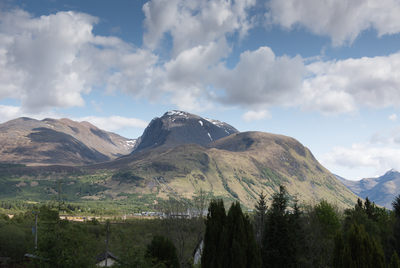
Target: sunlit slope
{"x": 239, "y": 166}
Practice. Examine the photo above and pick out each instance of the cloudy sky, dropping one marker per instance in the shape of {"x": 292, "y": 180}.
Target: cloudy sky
{"x": 326, "y": 72}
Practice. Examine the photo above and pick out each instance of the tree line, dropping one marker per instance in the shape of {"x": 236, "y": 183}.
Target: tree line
{"x": 285, "y": 235}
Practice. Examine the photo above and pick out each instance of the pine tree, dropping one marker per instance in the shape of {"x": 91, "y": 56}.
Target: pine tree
{"x": 338, "y": 253}
{"x": 240, "y": 246}
{"x": 278, "y": 249}
{"x": 235, "y": 238}
{"x": 396, "y": 206}
{"x": 361, "y": 250}
{"x": 260, "y": 217}
{"x": 213, "y": 247}
{"x": 396, "y": 226}
{"x": 229, "y": 240}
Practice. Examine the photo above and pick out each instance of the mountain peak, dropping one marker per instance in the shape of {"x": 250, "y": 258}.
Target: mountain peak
{"x": 391, "y": 171}
{"x": 178, "y": 127}
{"x": 176, "y": 113}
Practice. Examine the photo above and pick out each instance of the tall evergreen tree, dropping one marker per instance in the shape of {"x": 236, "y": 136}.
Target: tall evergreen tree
{"x": 396, "y": 226}
{"x": 396, "y": 206}
{"x": 360, "y": 250}
{"x": 229, "y": 240}
{"x": 239, "y": 243}
{"x": 338, "y": 253}
{"x": 278, "y": 249}
{"x": 260, "y": 217}
{"x": 213, "y": 246}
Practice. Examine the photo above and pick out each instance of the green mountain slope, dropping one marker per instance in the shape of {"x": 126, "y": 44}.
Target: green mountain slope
{"x": 237, "y": 167}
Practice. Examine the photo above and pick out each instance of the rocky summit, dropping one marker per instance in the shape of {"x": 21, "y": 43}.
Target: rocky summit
{"x": 178, "y": 127}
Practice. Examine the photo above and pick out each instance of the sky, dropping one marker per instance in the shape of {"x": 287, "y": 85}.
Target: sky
{"x": 326, "y": 72}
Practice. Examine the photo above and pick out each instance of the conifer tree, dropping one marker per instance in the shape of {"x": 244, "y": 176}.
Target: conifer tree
{"x": 235, "y": 238}
{"x": 396, "y": 206}
{"x": 361, "y": 250}
{"x": 278, "y": 249}
{"x": 229, "y": 240}
{"x": 260, "y": 217}
{"x": 396, "y": 226}
{"x": 213, "y": 246}
{"x": 338, "y": 253}
{"x": 240, "y": 245}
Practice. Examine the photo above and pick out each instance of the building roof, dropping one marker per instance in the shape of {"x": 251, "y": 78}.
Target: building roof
{"x": 104, "y": 255}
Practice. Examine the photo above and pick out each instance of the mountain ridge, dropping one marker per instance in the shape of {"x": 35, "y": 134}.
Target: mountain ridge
{"x": 59, "y": 141}
{"x": 382, "y": 190}
{"x": 182, "y": 154}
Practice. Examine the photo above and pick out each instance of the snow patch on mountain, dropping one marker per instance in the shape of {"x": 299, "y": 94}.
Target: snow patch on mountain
{"x": 176, "y": 113}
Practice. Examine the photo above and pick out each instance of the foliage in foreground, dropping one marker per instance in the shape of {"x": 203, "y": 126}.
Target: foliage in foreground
{"x": 319, "y": 236}
{"x": 279, "y": 235}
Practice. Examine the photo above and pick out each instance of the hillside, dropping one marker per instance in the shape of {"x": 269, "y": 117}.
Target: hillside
{"x": 178, "y": 155}
{"x": 381, "y": 190}
{"x": 237, "y": 167}
{"x": 64, "y": 142}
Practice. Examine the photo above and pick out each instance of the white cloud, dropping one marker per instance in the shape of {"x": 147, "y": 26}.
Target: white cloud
{"x": 191, "y": 23}
{"x": 379, "y": 154}
{"x": 363, "y": 156}
{"x": 39, "y": 58}
{"x": 260, "y": 78}
{"x": 393, "y": 117}
{"x": 192, "y": 66}
{"x": 109, "y": 123}
{"x": 9, "y": 112}
{"x": 197, "y": 78}
{"x": 255, "y": 115}
{"x": 341, "y": 20}
{"x": 114, "y": 123}
{"x": 52, "y": 61}
{"x": 188, "y": 76}
{"x": 346, "y": 85}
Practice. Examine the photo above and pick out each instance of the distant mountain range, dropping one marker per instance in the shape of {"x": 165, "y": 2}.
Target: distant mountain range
{"x": 64, "y": 142}
{"x": 381, "y": 190}
{"x": 177, "y": 155}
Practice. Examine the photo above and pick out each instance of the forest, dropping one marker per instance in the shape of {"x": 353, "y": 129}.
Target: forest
{"x": 280, "y": 233}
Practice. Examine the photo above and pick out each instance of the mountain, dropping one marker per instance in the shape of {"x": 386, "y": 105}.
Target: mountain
{"x": 65, "y": 142}
{"x": 178, "y": 127}
{"x": 381, "y": 190}
{"x": 178, "y": 155}
{"x": 236, "y": 167}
